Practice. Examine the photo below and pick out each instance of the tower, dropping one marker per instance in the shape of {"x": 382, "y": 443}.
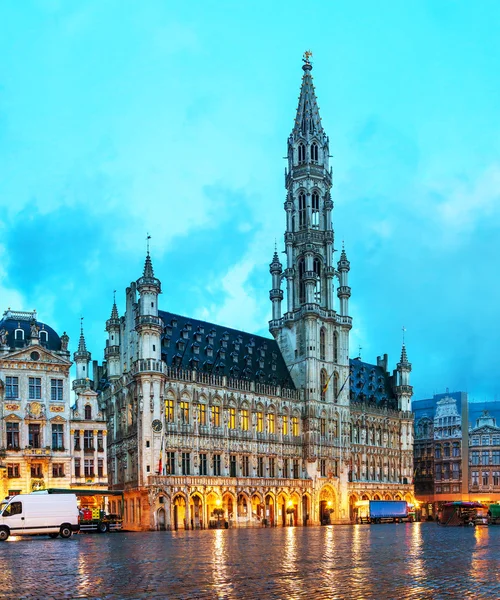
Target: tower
{"x": 312, "y": 334}
{"x": 404, "y": 390}
{"x": 112, "y": 350}
{"x": 82, "y": 359}
{"x": 148, "y": 324}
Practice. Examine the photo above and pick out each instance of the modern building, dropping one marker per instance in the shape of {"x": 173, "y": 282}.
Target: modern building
{"x": 36, "y": 421}
{"x": 456, "y": 450}
{"x": 208, "y": 424}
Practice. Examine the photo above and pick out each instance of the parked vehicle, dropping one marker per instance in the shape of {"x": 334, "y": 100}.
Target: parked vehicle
{"x": 482, "y": 516}
{"x": 460, "y": 513}
{"x": 494, "y": 514}
{"x": 97, "y": 520}
{"x": 383, "y": 511}
{"x": 35, "y": 514}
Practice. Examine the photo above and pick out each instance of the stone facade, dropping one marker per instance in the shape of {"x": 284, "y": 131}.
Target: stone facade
{"x": 209, "y": 425}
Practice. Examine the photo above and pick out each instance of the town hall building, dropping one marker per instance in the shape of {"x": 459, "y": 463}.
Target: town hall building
{"x": 210, "y": 426}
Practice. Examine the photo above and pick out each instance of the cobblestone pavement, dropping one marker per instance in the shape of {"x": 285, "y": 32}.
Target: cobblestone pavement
{"x": 413, "y": 560}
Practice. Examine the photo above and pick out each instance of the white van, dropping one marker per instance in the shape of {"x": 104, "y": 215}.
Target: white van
{"x": 34, "y": 514}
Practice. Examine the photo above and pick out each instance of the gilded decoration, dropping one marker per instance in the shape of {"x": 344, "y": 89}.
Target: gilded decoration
{"x": 56, "y": 409}
{"x": 12, "y": 406}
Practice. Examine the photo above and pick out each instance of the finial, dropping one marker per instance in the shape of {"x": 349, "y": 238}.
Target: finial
{"x": 147, "y": 241}
{"x": 81, "y": 325}
{"x": 359, "y": 352}
{"x": 275, "y": 246}
{"x": 307, "y": 66}
{"x": 114, "y": 296}
{"x": 404, "y": 330}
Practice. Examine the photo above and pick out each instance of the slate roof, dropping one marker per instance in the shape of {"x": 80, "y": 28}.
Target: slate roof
{"x": 371, "y": 384}
{"x": 11, "y": 324}
{"x": 193, "y": 344}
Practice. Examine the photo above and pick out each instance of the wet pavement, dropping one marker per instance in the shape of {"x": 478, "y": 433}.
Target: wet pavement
{"x": 412, "y": 560}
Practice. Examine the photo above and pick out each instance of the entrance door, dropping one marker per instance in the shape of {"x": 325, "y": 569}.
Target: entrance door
{"x": 176, "y": 518}
{"x": 161, "y": 519}
{"x": 324, "y": 517}
{"x": 283, "y": 515}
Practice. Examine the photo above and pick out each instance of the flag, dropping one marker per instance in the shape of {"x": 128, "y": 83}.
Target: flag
{"x": 160, "y": 463}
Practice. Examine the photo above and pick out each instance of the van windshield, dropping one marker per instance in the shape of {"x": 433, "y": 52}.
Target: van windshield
{"x": 3, "y": 504}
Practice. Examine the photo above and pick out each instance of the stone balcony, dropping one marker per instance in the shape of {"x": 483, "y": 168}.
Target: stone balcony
{"x": 233, "y": 482}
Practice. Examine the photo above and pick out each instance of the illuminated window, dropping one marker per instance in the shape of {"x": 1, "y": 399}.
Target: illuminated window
{"x": 169, "y": 410}
{"x": 202, "y": 414}
{"x": 244, "y": 419}
{"x": 232, "y": 418}
{"x": 270, "y": 423}
{"x": 215, "y": 409}
{"x": 184, "y": 412}
{"x": 260, "y": 421}
{"x": 295, "y": 426}
{"x": 285, "y": 424}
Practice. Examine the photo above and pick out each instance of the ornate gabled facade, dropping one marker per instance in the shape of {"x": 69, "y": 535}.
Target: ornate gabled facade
{"x": 37, "y": 427}
{"x": 34, "y": 404}
{"x": 207, "y": 424}
{"x": 88, "y": 427}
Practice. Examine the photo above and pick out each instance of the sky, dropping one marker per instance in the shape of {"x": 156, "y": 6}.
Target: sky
{"x": 121, "y": 118}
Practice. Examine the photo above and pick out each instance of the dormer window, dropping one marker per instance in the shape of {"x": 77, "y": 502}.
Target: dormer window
{"x": 234, "y": 356}
{"x": 88, "y": 412}
{"x": 236, "y": 346}
{"x": 173, "y": 322}
{"x": 184, "y": 333}
{"x": 248, "y": 360}
{"x": 189, "y": 326}
{"x": 200, "y": 329}
{"x": 19, "y": 335}
{"x": 223, "y": 343}
{"x": 209, "y": 351}
{"x": 195, "y": 348}
{"x": 181, "y": 345}
{"x": 44, "y": 337}
{"x": 222, "y": 354}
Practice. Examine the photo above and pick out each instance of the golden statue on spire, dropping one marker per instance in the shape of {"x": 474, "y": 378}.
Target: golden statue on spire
{"x": 307, "y": 56}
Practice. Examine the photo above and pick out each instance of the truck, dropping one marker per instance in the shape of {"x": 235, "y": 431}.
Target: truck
{"x": 378, "y": 511}
{"x": 93, "y": 505}
{"x": 98, "y": 520}
{"x": 36, "y": 514}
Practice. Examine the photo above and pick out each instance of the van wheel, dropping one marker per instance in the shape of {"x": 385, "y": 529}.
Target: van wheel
{"x": 65, "y": 531}
{"x": 53, "y": 535}
{"x": 4, "y": 533}
{"x": 102, "y": 527}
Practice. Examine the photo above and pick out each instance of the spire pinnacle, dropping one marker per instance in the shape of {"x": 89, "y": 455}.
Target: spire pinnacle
{"x": 148, "y": 267}
{"x": 404, "y": 356}
{"x": 82, "y": 347}
{"x": 307, "y": 121}
{"x": 114, "y": 310}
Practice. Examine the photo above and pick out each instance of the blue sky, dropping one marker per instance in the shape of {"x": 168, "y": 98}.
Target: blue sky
{"x": 119, "y": 118}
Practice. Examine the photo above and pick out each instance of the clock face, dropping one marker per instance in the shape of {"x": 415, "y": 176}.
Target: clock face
{"x": 156, "y": 425}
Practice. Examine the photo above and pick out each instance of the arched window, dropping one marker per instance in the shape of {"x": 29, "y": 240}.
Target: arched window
{"x": 323, "y": 383}
{"x": 335, "y": 347}
{"x": 302, "y": 153}
{"x": 43, "y": 337}
{"x": 314, "y": 152}
{"x": 317, "y": 285}
{"x": 302, "y": 287}
{"x": 302, "y": 211}
{"x": 322, "y": 344}
{"x": 19, "y": 334}
{"x": 315, "y": 211}
{"x": 88, "y": 412}
{"x": 335, "y": 386}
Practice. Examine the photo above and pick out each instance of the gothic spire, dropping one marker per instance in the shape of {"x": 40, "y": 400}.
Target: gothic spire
{"x": 148, "y": 267}
{"x": 404, "y": 357}
{"x": 114, "y": 310}
{"x": 82, "y": 347}
{"x": 307, "y": 121}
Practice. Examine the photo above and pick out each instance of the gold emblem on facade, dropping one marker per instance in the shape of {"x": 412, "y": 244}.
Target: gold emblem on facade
{"x": 35, "y": 409}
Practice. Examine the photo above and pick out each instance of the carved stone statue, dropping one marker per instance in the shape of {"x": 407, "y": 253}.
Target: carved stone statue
{"x": 3, "y": 337}
{"x": 64, "y": 342}
{"x": 35, "y": 329}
